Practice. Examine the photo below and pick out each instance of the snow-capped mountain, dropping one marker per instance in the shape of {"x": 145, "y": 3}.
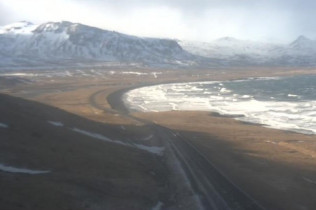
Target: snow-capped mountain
{"x": 53, "y": 44}
{"x": 228, "y": 47}
{"x": 303, "y": 43}
{"x": 24, "y": 44}
{"x": 231, "y": 51}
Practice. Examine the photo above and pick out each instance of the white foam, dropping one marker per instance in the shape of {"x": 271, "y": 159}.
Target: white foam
{"x": 134, "y": 72}
{"x": 299, "y": 116}
{"x": 155, "y": 74}
{"x": 246, "y": 96}
{"x": 224, "y": 90}
{"x": 12, "y": 169}
{"x": 19, "y": 74}
{"x": 293, "y": 96}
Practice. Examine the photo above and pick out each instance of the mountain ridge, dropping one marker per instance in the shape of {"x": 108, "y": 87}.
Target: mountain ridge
{"x": 64, "y": 43}
{"x": 300, "y": 52}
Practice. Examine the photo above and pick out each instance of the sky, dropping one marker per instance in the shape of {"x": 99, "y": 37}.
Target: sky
{"x": 196, "y": 20}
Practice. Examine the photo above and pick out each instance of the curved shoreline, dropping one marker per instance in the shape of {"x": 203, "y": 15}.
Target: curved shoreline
{"x": 247, "y": 154}
{"x": 197, "y": 169}
{"x": 115, "y": 99}
{"x": 118, "y": 103}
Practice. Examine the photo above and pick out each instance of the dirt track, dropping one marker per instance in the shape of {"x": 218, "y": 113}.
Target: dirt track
{"x": 278, "y": 175}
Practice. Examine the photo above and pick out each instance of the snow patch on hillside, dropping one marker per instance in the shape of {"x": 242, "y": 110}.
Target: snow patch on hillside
{"x": 12, "y": 169}
{"x": 227, "y": 50}
{"x": 22, "y": 28}
{"x": 3, "y": 125}
{"x": 151, "y": 149}
{"x": 57, "y": 124}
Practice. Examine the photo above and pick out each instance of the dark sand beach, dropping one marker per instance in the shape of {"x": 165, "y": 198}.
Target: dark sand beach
{"x": 277, "y": 168}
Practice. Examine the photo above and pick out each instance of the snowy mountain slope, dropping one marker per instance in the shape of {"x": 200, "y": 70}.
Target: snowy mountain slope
{"x": 64, "y": 42}
{"x": 303, "y": 43}
{"x": 53, "y": 44}
{"x": 301, "y": 52}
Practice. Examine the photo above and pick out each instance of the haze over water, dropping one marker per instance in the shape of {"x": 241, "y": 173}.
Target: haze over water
{"x": 287, "y": 103}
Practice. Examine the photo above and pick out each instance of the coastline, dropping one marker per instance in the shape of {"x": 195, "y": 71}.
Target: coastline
{"x": 276, "y": 167}
{"x": 272, "y": 165}
{"x": 252, "y": 155}
{"x": 256, "y": 116}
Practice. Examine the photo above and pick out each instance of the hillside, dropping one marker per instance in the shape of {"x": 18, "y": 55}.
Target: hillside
{"x": 231, "y": 51}
{"x": 65, "y": 43}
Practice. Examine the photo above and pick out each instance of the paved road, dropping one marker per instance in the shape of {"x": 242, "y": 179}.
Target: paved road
{"x": 215, "y": 190}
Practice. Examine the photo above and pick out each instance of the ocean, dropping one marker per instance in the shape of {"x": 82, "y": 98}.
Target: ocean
{"x": 287, "y": 103}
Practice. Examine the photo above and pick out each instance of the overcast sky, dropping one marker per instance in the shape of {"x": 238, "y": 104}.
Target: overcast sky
{"x": 202, "y": 20}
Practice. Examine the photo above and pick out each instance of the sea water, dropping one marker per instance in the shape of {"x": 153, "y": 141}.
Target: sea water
{"x": 287, "y": 103}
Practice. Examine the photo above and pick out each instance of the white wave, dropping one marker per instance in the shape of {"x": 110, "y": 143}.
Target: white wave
{"x": 134, "y": 72}
{"x": 19, "y": 74}
{"x": 245, "y": 96}
{"x": 299, "y": 116}
{"x": 224, "y": 90}
{"x": 293, "y": 96}
{"x": 262, "y": 78}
